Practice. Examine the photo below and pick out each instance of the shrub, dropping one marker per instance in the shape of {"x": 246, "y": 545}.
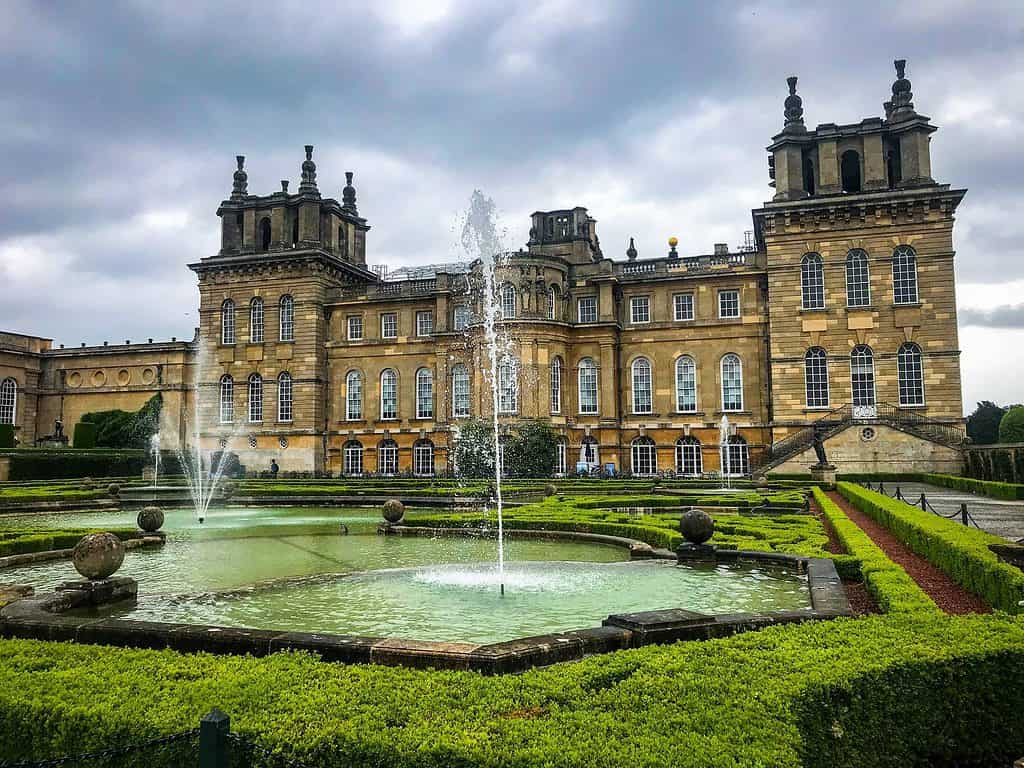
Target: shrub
{"x": 85, "y": 435}
{"x": 532, "y": 450}
{"x": 126, "y": 429}
{"x": 6, "y": 435}
{"x": 988, "y": 488}
{"x": 1011, "y": 427}
{"x": 20, "y": 542}
{"x": 474, "y": 449}
{"x": 39, "y": 464}
{"x": 961, "y": 552}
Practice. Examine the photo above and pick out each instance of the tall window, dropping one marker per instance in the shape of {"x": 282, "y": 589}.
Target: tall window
{"x": 460, "y": 391}
{"x": 904, "y": 275}
{"x": 816, "y": 378}
{"x": 265, "y": 234}
{"x": 424, "y": 394}
{"x": 812, "y": 281}
{"x": 682, "y": 306}
{"x": 588, "y": 386}
{"x": 849, "y": 169}
{"x": 686, "y": 385}
{"x": 640, "y": 309}
{"x": 911, "y": 374}
{"x": 737, "y": 456}
{"x": 645, "y": 457}
{"x": 862, "y": 375}
{"x": 728, "y": 304}
{"x": 732, "y": 383}
{"x": 256, "y": 320}
{"x": 552, "y": 302}
{"x": 556, "y": 385}
{"x": 353, "y": 458}
{"x": 286, "y": 315}
{"x": 586, "y": 309}
{"x": 424, "y": 323}
{"x": 560, "y": 452}
{"x": 255, "y": 398}
{"x": 8, "y": 401}
{"x": 508, "y": 301}
{"x": 460, "y": 319}
{"x": 508, "y": 386}
{"x": 227, "y": 399}
{"x": 688, "y": 457}
{"x": 389, "y": 325}
{"x": 355, "y": 327}
{"x": 354, "y": 396}
{"x": 284, "y": 397}
{"x": 642, "y": 386}
{"x": 227, "y": 322}
{"x": 858, "y": 279}
{"x": 423, "y": 458}
{"x": 388, "y": 394}
{"x": 387, "y": 457}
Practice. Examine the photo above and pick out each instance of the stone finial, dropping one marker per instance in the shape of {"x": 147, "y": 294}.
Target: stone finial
{"x": 348, "y": 194}
{"x": 794, "y": 109}
{"x": 902, "y": 104}
{"x": 672, "y": 243}
{"x": 308, "y": 183}
{"x": 631, "y": 251}
{"x": 284, "y": 186}
{"x": 240, "y": 187}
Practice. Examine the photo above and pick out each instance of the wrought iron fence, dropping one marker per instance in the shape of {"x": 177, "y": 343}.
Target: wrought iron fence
{"x": 964, "y": 514}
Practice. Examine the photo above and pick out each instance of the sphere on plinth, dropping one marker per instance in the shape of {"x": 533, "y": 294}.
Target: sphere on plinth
{"x": 150, "y": 519}
{"x": 98, "y": 555}
{"x": 696, "y": 525}
{"x": 114, "y": 489}
{"x": 393, "y": 511}
{"x": 550, "y": 489}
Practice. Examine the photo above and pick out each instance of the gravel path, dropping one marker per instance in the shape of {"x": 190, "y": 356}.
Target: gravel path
{"x": 947, "y": 594}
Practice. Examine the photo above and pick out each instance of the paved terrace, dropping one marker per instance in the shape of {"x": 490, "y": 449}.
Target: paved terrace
{"x": 1003, "y": 518}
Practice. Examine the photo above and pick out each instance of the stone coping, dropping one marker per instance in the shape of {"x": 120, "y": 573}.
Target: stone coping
{"x": 44, "y": 617}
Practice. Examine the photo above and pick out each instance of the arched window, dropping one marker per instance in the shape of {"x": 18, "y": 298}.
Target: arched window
{"x": 423, "y": 458}
{"x": 354, "y": 396}
{"x": 642, "y": 385}
{"x": 255, "y": 398}
{"x": 812, "y": 281}
{"x": 388, "y": 394}
{"x": 265, "y": 233}
{"x": 858, "y": 280}
{"x": 286, "y": 315}
{"x": 736, "y": 457}
{"x": 460, "y": 391}
{"x": 424, "y": 394}
{"x": 227, "y": 322}
{"x": 862, "y": 376}
{"x": 850, "y": 170}
{"x": 284, "y": 397}
{"x": 645, "y": 457}
{"x": 561, "y": 449}
{"x": 911, "y": 374}
{"x": 732, "y": 383}
{"x": 227, "y": 399}
{"x": 587, "y": 386}
{"x": 256, "y": 321}
{"x": 686, "y": 385}
{"x": 353, "y": 458}
{"x": 8, "y": 401}
{"x": 387, "y": 457}
{"x": 816, "y": 378}
{"x": 556, "y": 384}
{"x": 553, "y": 302}
{"x": 904, "y": 275}
{"x": 508, "y": 301}
{"x": 508, "y": 385}
{"x": 688, "y": 457}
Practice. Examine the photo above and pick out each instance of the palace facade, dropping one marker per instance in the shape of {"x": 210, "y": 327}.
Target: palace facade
{"x": 839, "y": 311}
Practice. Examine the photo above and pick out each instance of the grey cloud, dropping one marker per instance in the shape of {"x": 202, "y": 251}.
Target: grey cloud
{"x": 1006, "y": 316}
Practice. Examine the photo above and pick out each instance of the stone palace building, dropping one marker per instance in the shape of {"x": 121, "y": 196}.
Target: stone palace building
{"x": 839, "y": 311}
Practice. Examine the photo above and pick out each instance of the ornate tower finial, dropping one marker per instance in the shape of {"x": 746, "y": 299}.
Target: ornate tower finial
{"x": 308, "y": 183}
{"x": 794, "y": 111}
{"x": 348, "y": 194}
{"x": 902, "y": 106}
{"x": 284, "y": 186}
{"x": 672, "y": 243}
{"x": 631, "y": 251}
{"x": 240, "y": 188}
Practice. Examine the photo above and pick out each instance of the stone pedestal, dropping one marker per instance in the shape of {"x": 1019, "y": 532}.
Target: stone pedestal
{"x": 98, "y": 592}
{"x": 823, "y": 474}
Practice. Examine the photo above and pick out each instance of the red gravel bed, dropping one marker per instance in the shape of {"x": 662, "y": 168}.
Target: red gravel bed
{"x": 947, "y": 594}
{"x": 833, "y": 541}
{"x": 861, "y": 601}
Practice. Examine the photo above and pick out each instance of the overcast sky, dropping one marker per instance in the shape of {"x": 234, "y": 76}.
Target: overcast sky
{"x": 119, "y": 123}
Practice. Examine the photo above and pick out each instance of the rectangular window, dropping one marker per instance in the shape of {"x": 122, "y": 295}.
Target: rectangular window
{"x": 460, "y": 393}
{"x": 388, "y": 396}
{"x": 640, "y": 309}
{"x": 423, "y": 460}
{"x": 424, "y": 323}
{"x": 587, "y": 309}
{"x": 387, "y": 459}
{"x": 682, "y": 304}
{"x": 353, "y": 459}
{"x": 560, "y": 458}
{"x": 508, "y": 387}
{"x": 556, "y": 386}
{"x": 389, "y": 325}
{"x": 355, "y": 327}
{"x": 728, "y": 304}
{"x": 354, "y": 397}
{"x": 461, "y": 318}
{"x": 424, "y": 394}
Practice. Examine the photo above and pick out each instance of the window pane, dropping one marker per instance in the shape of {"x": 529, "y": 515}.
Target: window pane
{"x": 424, "y": 394}
{"x": 816, "y": 378}
{"x": 588, "y": 386}
{"x": 641, "y": 386}
{"x": 355, "y": 328}
{"x": 287, "y": 318}
{"x": 354, "y": 396}
{"x": 508, "y": 386}
{"x": 256, "y": 321}
{"x": 255, "y": 397}
{"x": 588, "y": 309}
{"x": 389, "y": 326}
{"x": 732, "y": 384}
{"x": 640, "y": 309}
{"x": 556, "y": 385}
{"x": 858, "y": 282}
{"x": 508, "y": 302}
{"x": 688, "y": 457}
{"x": 645, "y": 460}
{"x": 284, "y": 397}
{"x": 460, "y": 391}
{"x": 904, "y": 275}
{"x": 423, "y": 458}
{"x": 388, "y": 395}
{"x": 353, "y": 458}
{"x": 683, "y": 306}
{"x": 227, "y": 400}
{"x": 686, "y": 385}
{"x": 812, "y": 282}
{"x": 728, "y": 304}
{"x": 387, "y": 458}
{"x": 227, "y": 322}
{"x": 862, "y": 376}
{"x": 424, "y": 323}
{"x": 911, "y": 375}
{"x": 461, "y": 320}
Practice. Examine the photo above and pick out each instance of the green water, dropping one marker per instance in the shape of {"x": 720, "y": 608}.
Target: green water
{"x": 290, "y": 569}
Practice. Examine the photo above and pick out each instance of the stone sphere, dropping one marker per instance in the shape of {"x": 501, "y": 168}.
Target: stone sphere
{"x": 696, "y": 526}
{"x": 762, "y": 482}
{"x": 150, "y": 519}
{"x": 550, "y": 489}
{"x": 114, "y": 489}
{"x": 394, "y": 511}
{"x": 87, "y": 483}
{"x": 98, "y": 555}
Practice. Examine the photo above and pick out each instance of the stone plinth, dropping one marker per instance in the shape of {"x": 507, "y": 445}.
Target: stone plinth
{"x": 823, "y": 474}
{"x": 85, "y": 592}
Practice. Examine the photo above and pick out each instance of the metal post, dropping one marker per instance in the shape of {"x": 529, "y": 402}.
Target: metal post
{"x": 213, "y": 740}
{"x": 923, "y": 502}
{"x": 963, "y": 513}
{"x": 881, "y": 487}
{"x": 899, "y": 494}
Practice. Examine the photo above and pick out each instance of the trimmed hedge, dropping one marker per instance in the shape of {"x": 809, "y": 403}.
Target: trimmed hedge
{"x": 888, "y": 583}
{"x": 24, "y": 542}
{"x": 961, "y": 552}
{"x": 990, "y": 488}
{"x": 45, "y": 464}
{"x": 6, "y": 435}
{"x": 883, "y": 691}
{"x": 85, "y": 435}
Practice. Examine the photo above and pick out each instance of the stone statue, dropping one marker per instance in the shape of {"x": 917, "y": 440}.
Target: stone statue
{"x": 819, "y": 446}
{"x": 58, "y": 430}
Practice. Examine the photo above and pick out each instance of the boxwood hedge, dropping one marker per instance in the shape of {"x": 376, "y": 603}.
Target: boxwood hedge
{"x": 20, "y": 542}
{"x": 990, "y": 488}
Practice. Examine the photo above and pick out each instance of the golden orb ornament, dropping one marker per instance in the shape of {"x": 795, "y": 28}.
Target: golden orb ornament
{"x": 673, "y": 241}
